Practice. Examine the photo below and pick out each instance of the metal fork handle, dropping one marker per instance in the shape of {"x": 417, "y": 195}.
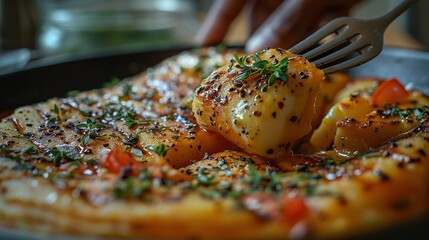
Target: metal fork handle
{"x": 388, "y": 18}
{"x": 367, "y": 40}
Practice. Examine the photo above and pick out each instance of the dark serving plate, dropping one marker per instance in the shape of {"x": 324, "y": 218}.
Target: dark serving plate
{"x": 55, "y": 76}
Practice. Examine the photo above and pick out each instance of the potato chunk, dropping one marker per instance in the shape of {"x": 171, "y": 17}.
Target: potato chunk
{"x": 262, "y": 111}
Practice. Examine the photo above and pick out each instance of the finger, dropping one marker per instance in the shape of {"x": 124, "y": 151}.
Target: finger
{"x": 335, "y": 13}
{"x": 259, "y": 11}
{"x": 218, "y": 20}
{"x": 290, "y": 22}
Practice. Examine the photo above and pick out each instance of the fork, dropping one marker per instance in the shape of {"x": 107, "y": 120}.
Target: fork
{"x": 354, "y": 41}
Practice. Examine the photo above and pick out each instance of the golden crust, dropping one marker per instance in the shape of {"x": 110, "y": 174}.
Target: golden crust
{"x": 55, "y": 178}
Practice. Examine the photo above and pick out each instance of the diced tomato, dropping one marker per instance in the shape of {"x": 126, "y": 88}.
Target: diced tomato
{"x": 118, "y": 159}
{"x": 294, "y": 210}
{"x": 389, "y": 92}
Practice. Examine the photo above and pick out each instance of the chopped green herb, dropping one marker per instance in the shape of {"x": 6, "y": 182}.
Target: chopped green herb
{"x": 263, "y": 67}
{"x": 161, "y": 150}
{"x": 57, "y": 114}
{"x": 137, "y": 152}
{"x": 29, "y": 150}
{"x": 220, "y": 47}
{"x": 127, "y": 90}
{"x": 130, "y": 121}
{"x": 4, "y": 148}
{"x": 113, "y": 82}
{"x": 131, "y": 187}
{"x": 91, "y": 130}
{"x": 24, "y": 167}
{"x": 131, "y": 140}
{"x": 371, "y": 154}
{"x": 203, "y": 178}
{"x": 57, "y": 155}
{"x": 72, "y": 93}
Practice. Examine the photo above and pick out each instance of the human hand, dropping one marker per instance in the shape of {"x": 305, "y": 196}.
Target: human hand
{"x": 273, "y": 23}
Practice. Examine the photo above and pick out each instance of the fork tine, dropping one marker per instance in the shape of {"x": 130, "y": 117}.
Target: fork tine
{"x": 356, "y": 45}
{"x": 314, "y": 38}
{"x": 367, "y": 54}
{"x": 342, "y": 36}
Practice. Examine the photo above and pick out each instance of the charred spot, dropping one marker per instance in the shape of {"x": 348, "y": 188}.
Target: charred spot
{"x": 346, "y": 121}
{"x": 303, "y": 75}
{"x": 421, "y": 152}
{"x": 293, "y": 118}
{"x": 395, "y": 122}
{"x": 381, "y": 175}
{"x": 414, "y": 160}
{"x": 280, "y": 50}
{"x": 247, "y": 60}
{"x": 270, "y": 151}
{"x": 214, "y": 76}
{"x": 274, "y": 114}
{"x": 257, "y": 113}
{"x": 200, "y": 90}
{"x": 281, "y": 105}
{"x": 29, "y": 135}
{"x": 87, "y": 151}
{"x": 302, "y": 168}
{"x": 243, "y": 93}
{"x": 237, "y": 83}
{"x": 175, "y": 137}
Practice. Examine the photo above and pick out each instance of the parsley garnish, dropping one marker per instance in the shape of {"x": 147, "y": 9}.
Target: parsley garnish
{"x": 263, "y": 67}
{"x": 161, "y": 150}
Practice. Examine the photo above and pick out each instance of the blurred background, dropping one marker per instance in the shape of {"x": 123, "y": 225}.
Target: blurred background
{"x": 54, "y": 27}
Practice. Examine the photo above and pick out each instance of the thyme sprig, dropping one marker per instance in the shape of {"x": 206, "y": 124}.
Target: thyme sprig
{"x": 130, "y": 121}
{"x": 275, "y": 71}
{"x": 57, "y": 155}
{"x": 57, "y": 114}
{"x": 91, "y": 130}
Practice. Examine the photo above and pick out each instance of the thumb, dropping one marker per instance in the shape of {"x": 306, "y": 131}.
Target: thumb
{"x": 218, "y": 20}
{"x": 292, "y": 21}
